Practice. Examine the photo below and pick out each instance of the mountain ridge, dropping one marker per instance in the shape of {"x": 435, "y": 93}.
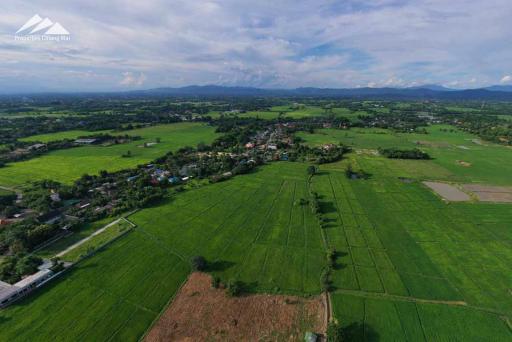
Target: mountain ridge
{"x": 427, "y": 92}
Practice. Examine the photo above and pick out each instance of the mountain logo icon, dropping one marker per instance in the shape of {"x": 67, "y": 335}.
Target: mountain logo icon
{"x": 38, "y": 25}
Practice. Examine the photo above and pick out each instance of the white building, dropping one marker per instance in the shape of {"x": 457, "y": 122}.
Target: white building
{"x": 9, "y": 293}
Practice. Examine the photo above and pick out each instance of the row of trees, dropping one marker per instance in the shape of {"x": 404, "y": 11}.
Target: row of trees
{"x": 395, "y": 153}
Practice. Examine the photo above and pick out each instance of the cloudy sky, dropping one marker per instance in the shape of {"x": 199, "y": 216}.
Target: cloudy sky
{"x": 121, "y": 44}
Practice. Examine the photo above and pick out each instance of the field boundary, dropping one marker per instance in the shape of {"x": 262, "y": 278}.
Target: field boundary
{"x": 97, "y": 232}
{"x": 164, "y": 309}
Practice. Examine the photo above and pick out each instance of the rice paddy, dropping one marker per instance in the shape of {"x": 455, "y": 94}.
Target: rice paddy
{"x": 409, "y": 266}
{"x": 70, "y": 164}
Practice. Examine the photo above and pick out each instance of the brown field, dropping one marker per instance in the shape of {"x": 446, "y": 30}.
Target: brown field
{"x": 448, "y": 191}
{"x": 487, "y": 193}
{"x": 202, "y": 313}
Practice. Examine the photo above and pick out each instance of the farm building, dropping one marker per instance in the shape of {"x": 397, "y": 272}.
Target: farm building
{"x": 36, "y": 147}
{"x": 9, "y": 293}
{"x": 85, "y": 141}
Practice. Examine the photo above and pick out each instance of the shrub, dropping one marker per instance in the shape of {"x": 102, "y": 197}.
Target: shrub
{"x": 198, "y": 263}
{"x": 234, "y": 288}
{"x": 215, "y": 282}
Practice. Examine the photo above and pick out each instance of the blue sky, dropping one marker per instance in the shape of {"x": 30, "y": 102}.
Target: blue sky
{"x": 124, "y": 45}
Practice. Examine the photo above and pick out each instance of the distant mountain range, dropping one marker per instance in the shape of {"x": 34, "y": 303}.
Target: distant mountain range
{"x": 424, "y": 92}
{"x": 498, "y": 93}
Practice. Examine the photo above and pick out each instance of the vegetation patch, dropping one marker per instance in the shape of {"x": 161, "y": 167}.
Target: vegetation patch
{"x": 394, "y": 153}
{"x": 96, "y": 241}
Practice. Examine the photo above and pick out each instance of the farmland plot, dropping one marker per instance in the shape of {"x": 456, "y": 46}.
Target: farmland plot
{"x": 239, "y": 226}
{"x": 70, "y": 164}
{"x": 396, "y": 240}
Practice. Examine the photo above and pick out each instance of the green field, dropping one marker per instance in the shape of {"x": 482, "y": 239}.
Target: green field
{"x": 249, "y": 229}
{"x": 403, "y": 251}
{"x": 302, "y": 112}
{"x": 446, "y": 147}
{"x": 409, "y": 267}
{"x": 82, "y": 232}
{"x": 73, "y": 134}
{"x": 97, "y": 241}
{"x": 4, "y": 192}
{"x": 70, "y": 164}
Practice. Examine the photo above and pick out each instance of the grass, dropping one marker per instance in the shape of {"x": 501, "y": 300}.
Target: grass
{"x": 248, "y": 228}
{"x": 409, "y": 266}
{"x": 4, "y": 192}
{"x": 296, "y": 113}
{"x": 397, "y": 239}
{"x": 82, "y": 232}
{"x": 114, "y": 295}
{"x": 70, "y": 164}
{"x": 372, "y": 319}
{"x": 97, "y": 241}
{"x": 73, "y": 134}
{"x": 445, "y": 145}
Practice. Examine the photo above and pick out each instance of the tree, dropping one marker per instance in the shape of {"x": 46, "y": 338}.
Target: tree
{"x": 234, "y": 288}
{"x": 311, "y": 170}
{"x": 199, "y": 263}
{"x": 348, "y": 171}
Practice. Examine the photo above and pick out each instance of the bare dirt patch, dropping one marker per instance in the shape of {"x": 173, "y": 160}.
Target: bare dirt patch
{"x": 488, "y": 193}
{"x": 202, "y": 313}
{"x": 448, "y": 191}
{"x": 463, "y": 163}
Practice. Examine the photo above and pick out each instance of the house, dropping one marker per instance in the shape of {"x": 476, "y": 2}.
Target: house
{"x": 174, "y": 180}
{"x": 9, "y": 293}
{"x": 132, "y": 178}
{"x": 50, "y": 217}
{"x": 54, "y": 196}
{"x": 249, "y": 145}
{"x": 36, "y": 147}
{"x": 84, "y": 205}
{"x": 4, "y": 221}
{"x": 272, "y": 147}
{"x": 310, "y": 337}
{"x": 85, "y": 141}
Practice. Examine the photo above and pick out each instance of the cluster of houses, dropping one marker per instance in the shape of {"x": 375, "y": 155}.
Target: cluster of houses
{"x": 272, "y": 142}
{"x": 159, "y": 176}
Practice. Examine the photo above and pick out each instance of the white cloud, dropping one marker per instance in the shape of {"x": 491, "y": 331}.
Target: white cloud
{"x": 285, "y": 43}
{"x": 506, "y": 79}
{"x": 130, "y": 79}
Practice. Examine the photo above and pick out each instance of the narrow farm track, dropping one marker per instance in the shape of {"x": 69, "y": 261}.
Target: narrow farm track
{"x": 367, "y": 294}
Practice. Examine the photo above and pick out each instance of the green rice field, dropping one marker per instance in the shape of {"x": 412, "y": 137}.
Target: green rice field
{"x": 296, "y": 113}
{"x": 70, "y": 164}
{"x": 409, "y": 268}
{"x": 457, "y": 156}
{"x": 73, "y": 134}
